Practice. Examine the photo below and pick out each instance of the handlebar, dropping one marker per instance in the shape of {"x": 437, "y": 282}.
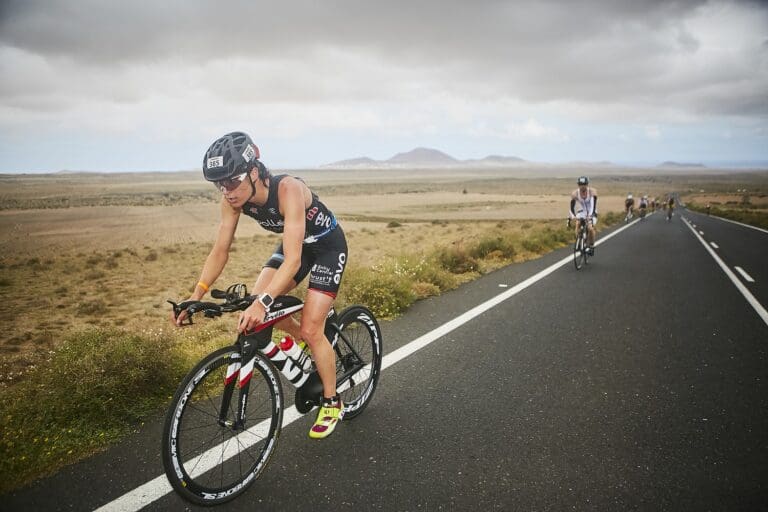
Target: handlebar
{"x": 235, "y": 297}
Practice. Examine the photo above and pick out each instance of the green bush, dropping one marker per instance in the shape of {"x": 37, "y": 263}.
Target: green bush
{"x": 611, "y": 218}
{"x": 382, "y": 288}
{"x": 493, "y": 244}
{"x": 456, "y": 259}
{"x": 94, "y": 389}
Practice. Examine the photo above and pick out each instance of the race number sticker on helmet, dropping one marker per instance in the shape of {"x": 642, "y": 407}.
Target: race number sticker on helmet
{"x": 249, "y": 153}
{"x": 215, "y": 161}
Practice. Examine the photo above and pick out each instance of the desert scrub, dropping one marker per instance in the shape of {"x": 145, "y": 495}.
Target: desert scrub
{"x": 92, "y": 307}
{"x": 746, "y": 216}
{"x": 92, "y": 390}
{"x": 456, "y": 259}
{"x": 385, "y": 288}
{"x": 496, "y": 245}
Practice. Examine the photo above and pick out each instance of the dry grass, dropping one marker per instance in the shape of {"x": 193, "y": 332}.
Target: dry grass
{"x": 113, "y": 265}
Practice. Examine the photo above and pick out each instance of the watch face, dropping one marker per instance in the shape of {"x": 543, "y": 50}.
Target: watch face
{"x": 266, "y": 300}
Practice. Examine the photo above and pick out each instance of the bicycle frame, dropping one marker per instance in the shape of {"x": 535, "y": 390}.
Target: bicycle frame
{"x": 308, "y": 385}
{"x": 582, "y": 237}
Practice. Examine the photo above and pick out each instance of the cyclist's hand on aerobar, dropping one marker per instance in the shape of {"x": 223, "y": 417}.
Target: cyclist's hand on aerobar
{"x": 181, "y": 320}
{"x": 251, "y": 317}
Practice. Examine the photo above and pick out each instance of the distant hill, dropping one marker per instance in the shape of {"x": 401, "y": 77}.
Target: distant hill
{"x": 425, "y": 157}
{"x": 680, "y": 164}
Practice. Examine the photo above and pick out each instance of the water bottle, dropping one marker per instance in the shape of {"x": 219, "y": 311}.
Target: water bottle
{"x": 299, "y": 357}
{"x": 287, "y": 366}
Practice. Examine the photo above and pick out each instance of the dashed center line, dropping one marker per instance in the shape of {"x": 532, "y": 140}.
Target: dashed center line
{"x": 744, "y": 274}
{"x": 713, "y": 244}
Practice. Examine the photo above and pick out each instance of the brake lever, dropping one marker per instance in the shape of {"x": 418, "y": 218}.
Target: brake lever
{"x": 178, "y": 308}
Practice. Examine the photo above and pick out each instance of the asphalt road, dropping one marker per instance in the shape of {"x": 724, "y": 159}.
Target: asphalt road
{"x": 637, "y": 383}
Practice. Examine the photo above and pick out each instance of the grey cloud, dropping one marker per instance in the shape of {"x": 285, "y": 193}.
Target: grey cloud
{"x": 590, "y": 51}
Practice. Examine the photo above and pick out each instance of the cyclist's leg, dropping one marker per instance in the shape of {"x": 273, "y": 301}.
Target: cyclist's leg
{"x": 316, "y": 308}
{"x": 289, "y": 324}
{"x": 330, "y": 258}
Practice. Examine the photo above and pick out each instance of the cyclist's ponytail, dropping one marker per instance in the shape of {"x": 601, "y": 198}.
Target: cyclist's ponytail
{"x": 264, "y": 173}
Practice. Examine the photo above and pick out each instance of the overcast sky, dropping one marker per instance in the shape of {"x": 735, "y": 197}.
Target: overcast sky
{"x": 147, "y": 85}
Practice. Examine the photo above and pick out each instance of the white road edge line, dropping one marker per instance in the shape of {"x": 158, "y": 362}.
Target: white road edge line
{"x": 158, "y": 487}
{"x": 735, "y": 280}
{"x": 744, "y": 274}
{"x": 740, "y": 223}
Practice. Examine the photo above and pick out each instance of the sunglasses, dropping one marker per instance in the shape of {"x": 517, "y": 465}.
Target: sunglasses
{"x": 230, "y": 184}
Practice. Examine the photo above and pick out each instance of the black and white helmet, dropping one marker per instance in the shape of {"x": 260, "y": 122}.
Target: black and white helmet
{"x": 583, "y": 180}
{"x": 231, "y": 155}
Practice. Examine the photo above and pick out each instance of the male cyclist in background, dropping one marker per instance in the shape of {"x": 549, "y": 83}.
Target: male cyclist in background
{"x": 584, "y": 208}
{"x": 629, "y": 207}
{"x": 670, "y": 206}
{"x": 643, "y": 206}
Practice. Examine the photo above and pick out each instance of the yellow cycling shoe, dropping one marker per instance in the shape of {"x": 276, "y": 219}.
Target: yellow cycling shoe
{"x": 331, "y": 412}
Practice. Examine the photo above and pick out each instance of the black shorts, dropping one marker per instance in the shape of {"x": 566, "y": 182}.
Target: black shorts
{"x": 324, "y": 260}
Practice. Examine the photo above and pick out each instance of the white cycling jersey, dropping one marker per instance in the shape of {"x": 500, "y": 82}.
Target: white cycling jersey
{"x": 583, "y": 206}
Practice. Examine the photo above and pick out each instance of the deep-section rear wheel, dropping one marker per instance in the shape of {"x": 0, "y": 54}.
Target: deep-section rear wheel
{"x": 358, "y": 359}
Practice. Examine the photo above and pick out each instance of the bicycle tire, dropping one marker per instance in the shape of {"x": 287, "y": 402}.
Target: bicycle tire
{"x": 364, "y": 348}
{"x": 209, "y": 463}
{"x": 579, "y": 253}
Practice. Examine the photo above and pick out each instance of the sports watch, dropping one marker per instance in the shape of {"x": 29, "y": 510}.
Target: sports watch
{"x": 266, "y": 300}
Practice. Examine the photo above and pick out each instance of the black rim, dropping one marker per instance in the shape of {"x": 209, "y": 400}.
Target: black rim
{"x": 358, "y": 359}
{"x": 578, "y": 252}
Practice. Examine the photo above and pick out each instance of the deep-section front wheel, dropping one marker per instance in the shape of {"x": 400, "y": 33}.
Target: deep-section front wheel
{"x": 209, "y": 457}
{"x": 358, "y": 359}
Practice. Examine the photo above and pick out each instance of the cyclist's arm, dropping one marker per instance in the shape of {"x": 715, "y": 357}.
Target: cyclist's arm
{"x": 219, "y": 255}
{"x": 594, "y": 205}
{"x": 572, "y": 211}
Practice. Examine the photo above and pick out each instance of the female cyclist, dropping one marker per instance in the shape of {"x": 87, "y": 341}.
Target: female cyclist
{"x": 313, "y": 244}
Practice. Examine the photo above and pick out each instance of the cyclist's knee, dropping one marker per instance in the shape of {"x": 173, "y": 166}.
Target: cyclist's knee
{"x": 312, "y": 332}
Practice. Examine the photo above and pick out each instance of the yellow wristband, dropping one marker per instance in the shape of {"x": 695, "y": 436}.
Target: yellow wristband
{"x": 202, "y": 285}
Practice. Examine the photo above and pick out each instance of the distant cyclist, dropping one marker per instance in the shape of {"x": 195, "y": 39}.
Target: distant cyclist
{"x": 629, "y": 207}
{"x": 643, "y": 206}
{"x": 670, "y": 207}
{"x": 312, "y": 243}
{"x": 584, "y": 208}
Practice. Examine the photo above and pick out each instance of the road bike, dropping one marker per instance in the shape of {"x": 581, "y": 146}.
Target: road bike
{"x": 642, "y": 213}
{"x": 670, "y": 210}
{"x": 225, "y": 418}
{"x": 580, "y": 246}
{"x": 629, "y": 215}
